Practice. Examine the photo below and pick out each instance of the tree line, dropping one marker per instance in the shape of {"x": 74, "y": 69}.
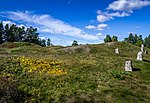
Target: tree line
{"x": 13, "y": 33}
{"x": 132, "y": 38}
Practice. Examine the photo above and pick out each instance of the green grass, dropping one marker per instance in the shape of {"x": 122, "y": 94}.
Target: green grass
{"x": 95, "y": 74}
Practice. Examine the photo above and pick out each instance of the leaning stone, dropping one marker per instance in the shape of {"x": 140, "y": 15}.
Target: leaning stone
{"x": 117, "y": 51}
{"x": 128, "y": 66}
{"x": 139, "y": 56}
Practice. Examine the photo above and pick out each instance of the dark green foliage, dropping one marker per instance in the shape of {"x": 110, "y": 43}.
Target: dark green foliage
{"x": 147, "y": 41}
{"x": 48, "y": 42}
{"x": 114, "y": 38}
{"x": 12, "y": 33}
{"x": 42, "y": 42}
{"x": 75, "y": 43}
{"x": 1, "y": 33}
{"x": 108, "y": 39}
{"x": 31, "y": 35}
{"x": 118, "y": 74}
{"x": 135, "y": 40}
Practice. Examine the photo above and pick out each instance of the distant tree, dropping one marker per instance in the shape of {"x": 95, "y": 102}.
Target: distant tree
{"x": 131, "y": 38}
{"x": 108, "y": 39}
{"x": 139, "y": 41}
{"x": 12, "y": 34}
{"x": 135, "y": 39}
{"x": 42, "y": 42}
{"x": 48, "y": 42}
{"x": 20, "y": 33}
{"x": 114, "y": 38}
{"x": 126, "y": 40}
{"x": 1, "y": 33}
{"x": 31, "y": 35}
{"x": 75, "y": 43}
{"x": 147, "y": 41}
{"x": 7, "y": 33}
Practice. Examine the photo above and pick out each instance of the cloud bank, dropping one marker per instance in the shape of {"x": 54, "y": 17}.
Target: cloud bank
{"x": 121, "y": 8}
{"x": 48, "y": 24}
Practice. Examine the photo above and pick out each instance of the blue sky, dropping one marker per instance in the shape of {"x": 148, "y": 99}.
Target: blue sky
{"x": 87, "y": 21}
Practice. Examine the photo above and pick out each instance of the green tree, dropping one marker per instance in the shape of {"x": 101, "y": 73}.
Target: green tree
{"x": 135, "y": 38}
{"x": 107, "y": 39}
{"x": 139, "y": 41}
{"x": 13, "y": 33}
{"x": 20, "y": 32}
{"x": 7, "y": 33}
{"x": 1, "y": 33}
{"x": 48, "y": 42}
{"x": 75, "y": 43}
{"x": 147, "y": 41}
{"x": 131, "y": 38}
{"x": 31, "y": 35}
{"x": 42, "y": 42}
{"x": 114, "y": 38}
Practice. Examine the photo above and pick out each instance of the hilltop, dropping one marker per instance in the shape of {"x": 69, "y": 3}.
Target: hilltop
{"x": 76, "y": 74}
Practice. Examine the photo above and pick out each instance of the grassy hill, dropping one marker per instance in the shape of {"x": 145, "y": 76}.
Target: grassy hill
{"x": 86, "y": 73}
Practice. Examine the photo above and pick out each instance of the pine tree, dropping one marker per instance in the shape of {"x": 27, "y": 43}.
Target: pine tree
{"x": 114, "y": 38}
{"x": 107, "y": 39}
{"x": 131, "y": 38}
{"x": 139, "y": 41}
{"x": 48, "y": 42}
{"x": 75, "y": 43}
{"x": 1, "y": 33}
{"x": 147, "y": 41}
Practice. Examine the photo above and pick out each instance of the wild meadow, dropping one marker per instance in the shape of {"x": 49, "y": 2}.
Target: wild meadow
{"x": 78, "y": 74}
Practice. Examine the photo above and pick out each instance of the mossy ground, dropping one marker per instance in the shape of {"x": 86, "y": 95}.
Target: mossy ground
{"x": 95, "y": 74}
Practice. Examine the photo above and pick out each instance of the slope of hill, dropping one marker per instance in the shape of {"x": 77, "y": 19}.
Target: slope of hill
{"x": 86, "y": 73}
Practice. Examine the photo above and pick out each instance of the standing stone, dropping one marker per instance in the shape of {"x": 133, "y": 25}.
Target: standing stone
{"x": 146, "y": 52}
{"x": 128, "y": 66}
{"x": 117, "y": 51}
{"x": 139, "y": 56}
{"x": 142, "y": 48}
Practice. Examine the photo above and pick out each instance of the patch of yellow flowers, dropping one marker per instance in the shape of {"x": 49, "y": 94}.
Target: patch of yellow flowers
{"x": 41, "y": 66}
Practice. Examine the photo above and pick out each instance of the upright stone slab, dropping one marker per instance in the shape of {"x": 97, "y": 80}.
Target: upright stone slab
{"x": 142, "y": 48}
{"x": 128, "y": 66}
{"x": 139, "y": 56}
{"x": 146, "y": 52}
{"x": 117, "y": 51}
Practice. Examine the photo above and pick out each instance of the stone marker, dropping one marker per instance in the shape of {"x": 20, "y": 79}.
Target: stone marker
{"x": 128, "y": 66}
{"x": 146, "y": 52}
{"x": 142, "y": 48}
{"x": 139, "y": 56}
{"x": 117, "y": 51}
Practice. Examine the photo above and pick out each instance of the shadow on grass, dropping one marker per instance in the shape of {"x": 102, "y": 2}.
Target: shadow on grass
{"x": 146, "y": 60}
{"x": 136, "y": 69}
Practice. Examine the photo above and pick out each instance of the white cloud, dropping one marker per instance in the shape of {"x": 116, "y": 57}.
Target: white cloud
{"x": 100, "y": 35}
{"x": 120, "y": 8}
{"x": 10, "y": 23}
{"x": 90, "y": 27}
{"x": 46, "y": 23}
{"x": 42, "y": 38}
{"x": 100, "y": 27}
{"x": 106, "y": 16}
{"x": 128, "y": 5}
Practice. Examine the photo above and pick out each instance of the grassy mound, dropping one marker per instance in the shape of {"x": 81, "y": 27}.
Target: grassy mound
{"x": 87, "y": 73}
